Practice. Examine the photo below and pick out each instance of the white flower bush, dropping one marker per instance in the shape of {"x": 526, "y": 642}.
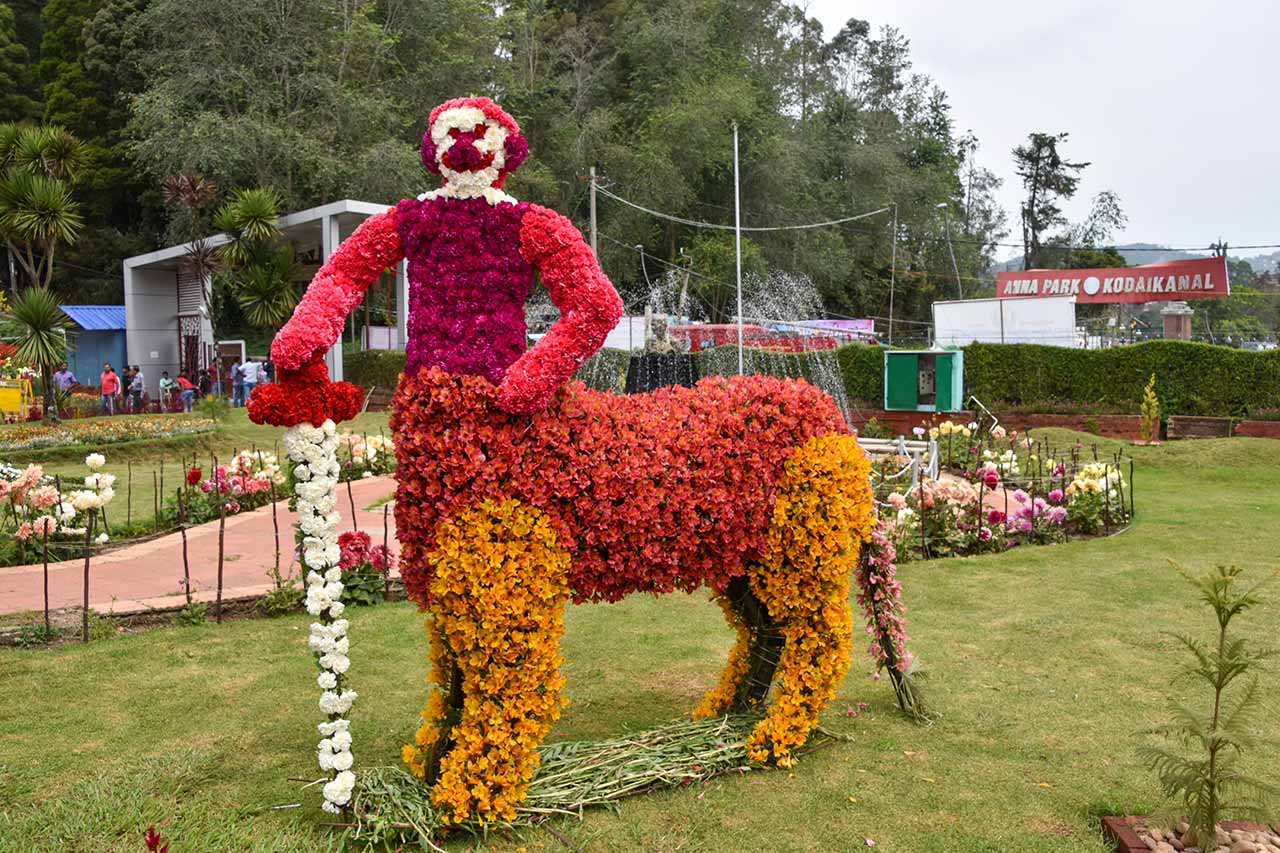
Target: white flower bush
{"x": 314, "y": 452}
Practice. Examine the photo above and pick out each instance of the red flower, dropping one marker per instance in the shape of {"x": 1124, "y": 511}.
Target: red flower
{"x": 193, "y": 476}
{"x": 354, "y": 549}
{"x": 153, "y": 841}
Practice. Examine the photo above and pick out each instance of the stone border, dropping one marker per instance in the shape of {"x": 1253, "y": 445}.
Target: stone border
{"x": 1121, "y": 831}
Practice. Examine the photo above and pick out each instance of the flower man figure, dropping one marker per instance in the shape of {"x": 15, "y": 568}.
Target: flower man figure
{"x": 519, "y": 489}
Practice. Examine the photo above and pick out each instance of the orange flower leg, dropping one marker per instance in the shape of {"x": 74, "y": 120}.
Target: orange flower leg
{"x": 499, "y": 588}
{"x": 822, "y": 513}
{"x": 443, "y": 709}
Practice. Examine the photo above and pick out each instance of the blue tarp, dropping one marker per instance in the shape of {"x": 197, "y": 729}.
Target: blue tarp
{"x": 96, "y": 318}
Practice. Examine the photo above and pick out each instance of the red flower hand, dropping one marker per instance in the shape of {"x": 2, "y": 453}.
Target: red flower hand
{"x": 305, "y": 396}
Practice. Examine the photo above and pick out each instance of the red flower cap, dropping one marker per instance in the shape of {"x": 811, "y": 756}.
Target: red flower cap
{"x": 305, "y": 396}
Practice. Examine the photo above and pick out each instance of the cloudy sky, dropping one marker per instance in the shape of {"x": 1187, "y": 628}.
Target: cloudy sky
{"x": 1175, "y": 103}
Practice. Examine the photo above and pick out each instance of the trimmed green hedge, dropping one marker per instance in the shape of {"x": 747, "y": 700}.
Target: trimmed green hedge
{"x": 1191, "y": 378}
{"x": 373, "y": 368}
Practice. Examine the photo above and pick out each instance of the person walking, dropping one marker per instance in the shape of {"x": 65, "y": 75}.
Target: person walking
{"x": 237, "y": 384}
{"x": 137, "y": 385}
{"x": 252, "y": 374}
{"x": 108, "y": 386}
{"x": 205, "y": 384}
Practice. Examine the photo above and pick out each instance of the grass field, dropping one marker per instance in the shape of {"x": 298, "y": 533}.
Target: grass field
{"x": 1044, "y": 666}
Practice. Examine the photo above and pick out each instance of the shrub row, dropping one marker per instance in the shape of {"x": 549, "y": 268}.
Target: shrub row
{"x": 1191, "y": 378}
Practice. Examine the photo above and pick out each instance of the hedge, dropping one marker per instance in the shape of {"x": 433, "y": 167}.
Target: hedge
{"x": 1191, "y": 378}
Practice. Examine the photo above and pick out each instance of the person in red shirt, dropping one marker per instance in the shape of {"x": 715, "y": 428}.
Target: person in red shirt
{"x": 110, "y": 383}
{"x": 188, "y": 391}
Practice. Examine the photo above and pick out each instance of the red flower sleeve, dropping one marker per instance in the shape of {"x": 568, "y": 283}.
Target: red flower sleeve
{"x": 589, "y": 308}
{"x": 337, "y": 288}
{"x": 303, "y": 392}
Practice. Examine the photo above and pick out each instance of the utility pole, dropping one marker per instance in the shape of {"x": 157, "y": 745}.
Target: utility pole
{"x": 737, "y": 240}
{"x": 946, "y": 228}
{"x": 893, "y": 269}
{"x": 594, "y": 250}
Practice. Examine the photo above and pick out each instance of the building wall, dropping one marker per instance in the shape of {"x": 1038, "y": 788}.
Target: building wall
{"x": 89, "y": 349}
{"x": 151, "y": 314}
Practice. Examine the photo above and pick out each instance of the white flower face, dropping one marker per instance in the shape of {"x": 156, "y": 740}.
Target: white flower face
{"x": 490, "y": 148}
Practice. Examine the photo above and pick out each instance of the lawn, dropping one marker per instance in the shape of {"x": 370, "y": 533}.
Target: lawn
{"x": 1044, "y": 666}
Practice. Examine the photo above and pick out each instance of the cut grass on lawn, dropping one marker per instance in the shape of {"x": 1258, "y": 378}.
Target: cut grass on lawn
{"x": 1045, "y": 665}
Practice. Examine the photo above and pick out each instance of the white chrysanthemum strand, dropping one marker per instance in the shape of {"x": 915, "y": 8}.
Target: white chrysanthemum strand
{"x": 314, "y": 453}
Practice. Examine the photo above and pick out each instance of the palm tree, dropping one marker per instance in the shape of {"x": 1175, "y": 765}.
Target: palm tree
{"x": 265, "y": 289}
{"x": 38, "y": 166}
{"x": 263, "y": 273}
{"x": 249, "y": 218}
{"x": 41, "y": 338}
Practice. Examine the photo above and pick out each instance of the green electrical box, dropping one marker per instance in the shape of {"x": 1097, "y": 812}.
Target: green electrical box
{"x": 924, "y": 380}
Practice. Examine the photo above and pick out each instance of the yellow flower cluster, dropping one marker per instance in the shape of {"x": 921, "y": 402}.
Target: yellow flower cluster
{"x": 1095, "y": 478}
{"x": 948, "y": 428}
{"x": 499, "y": 588}
{"x": 719, "y": 700}
{"x": 821, "y": 516}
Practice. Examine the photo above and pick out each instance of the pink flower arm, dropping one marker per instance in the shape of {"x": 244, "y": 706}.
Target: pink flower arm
{"x": 589, "y": 308}
{"x": 338, "y": 286}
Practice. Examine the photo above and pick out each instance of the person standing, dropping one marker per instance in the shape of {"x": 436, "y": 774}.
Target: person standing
{"x": 205, "y": 383}
{"x": 167, "y": 389}
{"x": 109, "y": 386}
{"x": 215, "y": 377}
{"x": 64, "y": 378}
{"x": 252, "y": 373}
{"x": 237, "y": 383}
{"x": 137, "y": 385}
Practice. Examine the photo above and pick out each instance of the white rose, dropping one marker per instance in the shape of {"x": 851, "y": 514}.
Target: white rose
{"x": 95, "y": 460}
{"x": 327, "y": 681}
{"x": 102, "y": 539}
{"x": 342, "y": 741}
{"x": 337, "y": 608}
{"x": 342, "y": 760}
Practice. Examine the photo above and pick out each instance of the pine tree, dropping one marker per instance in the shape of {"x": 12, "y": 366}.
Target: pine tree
{"x": 1150, "y": 412}
{"x": 1209, "y": 782}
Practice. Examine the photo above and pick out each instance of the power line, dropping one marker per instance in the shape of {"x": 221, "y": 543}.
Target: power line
{"x": 693, "y": 223}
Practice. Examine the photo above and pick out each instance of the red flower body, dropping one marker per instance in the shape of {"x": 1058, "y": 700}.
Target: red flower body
{"x": 653, "y": 492}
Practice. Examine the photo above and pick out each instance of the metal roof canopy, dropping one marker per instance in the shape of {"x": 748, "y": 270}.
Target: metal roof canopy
{"x": 96, "y": 318}
{"x": 304, "y": 226}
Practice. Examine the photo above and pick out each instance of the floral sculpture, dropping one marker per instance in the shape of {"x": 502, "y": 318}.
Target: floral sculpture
{"x": 519, "y": 489}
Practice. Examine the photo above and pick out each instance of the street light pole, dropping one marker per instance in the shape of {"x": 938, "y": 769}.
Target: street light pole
{"x": 946, "y": 228}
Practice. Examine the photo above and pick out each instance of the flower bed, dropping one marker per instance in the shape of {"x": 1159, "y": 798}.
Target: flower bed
{"x": 248, "y": 481}
{"x": 997, "y": 490}
{"x": 38, "y": 520}
{"x": 100, "y": 431}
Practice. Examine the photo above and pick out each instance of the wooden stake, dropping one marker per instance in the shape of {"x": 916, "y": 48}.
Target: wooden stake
{"x": 47, "y": 628}
{"x": 186, "y": 565}
{"x": 352, "y": 498}
{"x": 84, "y": 615}
{"x": 128, "y": 497}
{"x": 222, "y": 531}
{"x": 386, "y": 556}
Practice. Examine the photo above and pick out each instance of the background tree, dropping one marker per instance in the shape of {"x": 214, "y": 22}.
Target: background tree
{"x": 1047, "y": 179}
{"x": 16, "y": 103}
{"x": 259, "y": 272}
{"x": 41, "y": 337}
{"x": 38, "y": 166}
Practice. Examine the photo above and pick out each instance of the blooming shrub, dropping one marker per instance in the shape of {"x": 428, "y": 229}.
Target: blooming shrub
{"x": 245, "y": 483}
{"x": 31, "y": 508}
{"x": 1094, "y": 498}
{"x": 366, "y": 455}
{"x": 99, "y": 431}
{"x": 364, "y": 567}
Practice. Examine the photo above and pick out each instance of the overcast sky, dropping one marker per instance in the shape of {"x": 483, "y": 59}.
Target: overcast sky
{"x": 1175, "y": 103}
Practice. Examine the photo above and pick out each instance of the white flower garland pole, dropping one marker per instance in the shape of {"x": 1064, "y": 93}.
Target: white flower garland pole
{"x": 314, "y": 452}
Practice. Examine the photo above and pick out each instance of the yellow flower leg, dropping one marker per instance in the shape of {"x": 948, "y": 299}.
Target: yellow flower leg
{"x": 443, "y": 708}
{"x": 499, "y": 588}
{"x": 822, "y": 513}
{"x": 719, "y": 700}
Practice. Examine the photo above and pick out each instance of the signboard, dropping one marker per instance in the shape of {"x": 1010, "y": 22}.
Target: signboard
{"x": 1197, "y": 278}
{"x": 1051, "y": 321}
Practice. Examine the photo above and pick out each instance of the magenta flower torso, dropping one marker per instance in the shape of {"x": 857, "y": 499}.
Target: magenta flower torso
{"x": 467, "y": 284}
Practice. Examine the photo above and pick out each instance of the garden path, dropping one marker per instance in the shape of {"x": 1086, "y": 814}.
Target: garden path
{"x": 148, "y": 575}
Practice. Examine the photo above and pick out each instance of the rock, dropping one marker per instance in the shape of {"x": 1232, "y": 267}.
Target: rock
{"x": 1163, "y": 847}
{"x": 1176, "y": 843}
{"x": 1156, "y": 834}
{"x": 1244, "y": 845}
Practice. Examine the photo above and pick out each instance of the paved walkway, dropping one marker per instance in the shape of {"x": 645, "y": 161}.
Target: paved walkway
{"x": 148, "y": 575}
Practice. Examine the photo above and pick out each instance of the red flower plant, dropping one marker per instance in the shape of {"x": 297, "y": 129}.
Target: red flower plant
{"x": 154, "y": 841}
{"x": 193, "y": 476}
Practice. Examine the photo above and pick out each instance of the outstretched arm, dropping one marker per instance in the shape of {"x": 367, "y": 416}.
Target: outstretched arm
{"x": 589, "y": 308}
{"x": 303, "y": 392}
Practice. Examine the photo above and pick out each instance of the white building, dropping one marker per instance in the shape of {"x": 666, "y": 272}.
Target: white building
{"x": 166, "y": 318}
